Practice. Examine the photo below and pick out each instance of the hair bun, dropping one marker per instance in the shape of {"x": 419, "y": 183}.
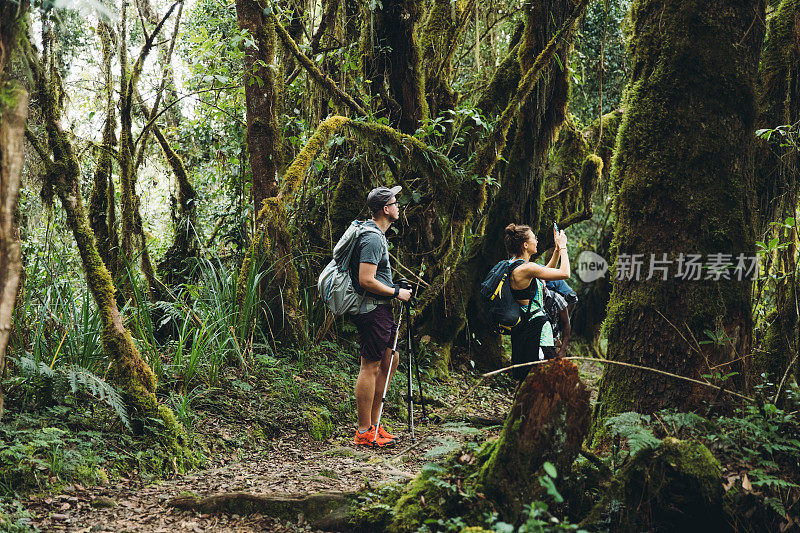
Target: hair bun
{"x": 511, "y": 228}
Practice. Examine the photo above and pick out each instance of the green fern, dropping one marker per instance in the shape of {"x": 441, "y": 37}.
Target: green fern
{"x": 631, "y": 427}
{"x": 78, "y": 378}
{"x": 82, "y": 379}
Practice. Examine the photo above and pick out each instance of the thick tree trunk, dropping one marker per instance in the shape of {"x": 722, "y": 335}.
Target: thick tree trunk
{"x": 272, "y": 249}
{"x": 777, "y": 180}
{"x": 522, "y": 177}
{"x": 13, "y": 114}
{"x": 682, "y": 170}
{"x": 439, "y": 42}
{"x": 392, "y": 60}
{"x": 261, "y": 89}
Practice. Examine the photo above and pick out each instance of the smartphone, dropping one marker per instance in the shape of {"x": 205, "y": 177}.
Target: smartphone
{"x": 555, "y": 226}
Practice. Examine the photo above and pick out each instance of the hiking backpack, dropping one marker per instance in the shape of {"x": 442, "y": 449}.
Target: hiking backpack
{"x": 502, "y": 310}
{"x": 335, "y": 285}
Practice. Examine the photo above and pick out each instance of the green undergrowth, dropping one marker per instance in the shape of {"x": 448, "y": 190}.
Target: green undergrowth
{"x": 757, "y": 445}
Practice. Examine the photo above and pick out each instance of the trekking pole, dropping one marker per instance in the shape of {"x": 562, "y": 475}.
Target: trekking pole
{"x": 410, "y": 387}
{"x": 388, "y": 376}
{"x": 419, "y": 386}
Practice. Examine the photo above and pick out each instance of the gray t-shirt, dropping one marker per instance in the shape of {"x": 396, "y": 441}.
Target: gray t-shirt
{"x": 370, "y": 248}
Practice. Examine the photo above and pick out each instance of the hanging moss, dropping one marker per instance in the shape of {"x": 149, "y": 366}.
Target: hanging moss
{"x": 438, "y": 44}
{"x": 317, "y": 74}
{"x": 391, "y": 60}
{"x": 538, "y": 106}
{"x": 681, "y": 167}
{"x": 349, "y": 196}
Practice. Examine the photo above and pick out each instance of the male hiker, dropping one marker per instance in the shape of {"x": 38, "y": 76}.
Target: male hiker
{"x": 371, "y": 275}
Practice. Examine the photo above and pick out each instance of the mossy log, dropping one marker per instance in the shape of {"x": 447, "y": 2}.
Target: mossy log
{"x": 547, "y": 423}
{"x": 681, "y": 171}
{"x": 674, "y": 487}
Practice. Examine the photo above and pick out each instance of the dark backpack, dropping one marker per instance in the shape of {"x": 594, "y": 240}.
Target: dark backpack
{"x": 502, "y": 310}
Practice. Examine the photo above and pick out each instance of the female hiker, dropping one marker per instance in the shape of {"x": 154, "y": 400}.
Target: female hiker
{"x": 532, "y": 338}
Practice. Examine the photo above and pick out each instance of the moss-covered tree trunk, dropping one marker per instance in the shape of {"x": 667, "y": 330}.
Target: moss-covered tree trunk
{"x": 101, "y": 198}
{"x": 392, "y": 60}
{"x": 439, "y": 39}
{"x": 132, "y": 375}
{"x": 547, "y": 423}
{"x": 261, "y": 89}
{"x": 272, "y": 251}
{"x": 681, "y": 173}
{"x": 13, "y": 114}
{"x": 777, "y": 182}
{"x": 521, "y": 176}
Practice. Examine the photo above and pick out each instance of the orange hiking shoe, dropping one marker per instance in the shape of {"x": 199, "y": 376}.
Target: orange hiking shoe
{"x": 385, "y": 434}
{"x": 368, "y": 439}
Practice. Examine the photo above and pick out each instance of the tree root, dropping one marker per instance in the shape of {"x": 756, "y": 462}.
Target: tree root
{"x": 322, "y": 510}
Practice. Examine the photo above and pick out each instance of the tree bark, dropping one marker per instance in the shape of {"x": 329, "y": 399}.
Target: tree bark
{"x": 776, "y": 183}
{"x": 547, "y": 423}
{"x": 13, "y": 114}
{"x": 684, "y": 162}
{"x": 100, "y": 200}
{"x": 392, "y": 60}
{"x": 261, "y": 89}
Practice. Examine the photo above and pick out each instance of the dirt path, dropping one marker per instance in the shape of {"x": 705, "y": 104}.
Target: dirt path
{"x": 291, "y": 463}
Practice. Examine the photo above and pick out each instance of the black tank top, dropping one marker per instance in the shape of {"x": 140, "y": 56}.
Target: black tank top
{"x": 529, "y": 292}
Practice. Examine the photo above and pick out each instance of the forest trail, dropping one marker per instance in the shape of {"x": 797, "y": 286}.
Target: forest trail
{"x": 292, "y": 463}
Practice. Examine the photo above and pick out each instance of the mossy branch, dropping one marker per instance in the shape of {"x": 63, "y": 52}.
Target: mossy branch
{"x": 316, "y": 74}
{"x": 139, "y": 65}
{"x": 491, "y": 148}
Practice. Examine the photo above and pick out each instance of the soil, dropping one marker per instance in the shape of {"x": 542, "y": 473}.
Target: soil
{"x": 290, "y": 463}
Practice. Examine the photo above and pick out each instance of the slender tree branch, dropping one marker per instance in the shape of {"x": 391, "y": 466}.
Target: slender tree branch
{"x": 318, "y": 76}
{"x": 38, "y": 148}
{"x": 160, "y": 91}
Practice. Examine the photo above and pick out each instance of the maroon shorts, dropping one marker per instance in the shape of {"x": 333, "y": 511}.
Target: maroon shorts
{"x": 376, "y": 331}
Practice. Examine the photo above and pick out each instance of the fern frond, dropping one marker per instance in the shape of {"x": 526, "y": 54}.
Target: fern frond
{"x": 631, "y": 427}
{"x": 83, "y": 379}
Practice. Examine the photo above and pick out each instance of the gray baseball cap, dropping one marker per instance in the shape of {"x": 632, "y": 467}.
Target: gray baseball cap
{"x": 380, "y": 196}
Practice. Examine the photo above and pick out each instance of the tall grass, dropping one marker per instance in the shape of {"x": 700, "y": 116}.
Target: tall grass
{"x": 66, "y": 326}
